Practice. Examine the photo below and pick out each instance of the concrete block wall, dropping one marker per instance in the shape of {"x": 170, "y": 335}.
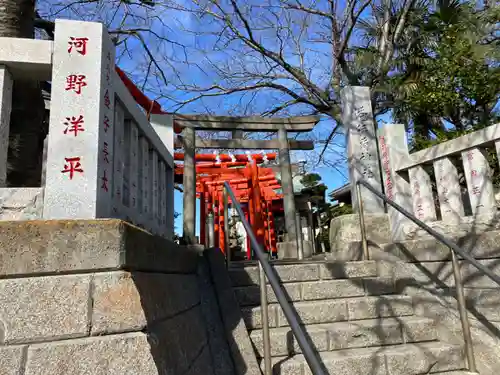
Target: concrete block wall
{"x": 100, "y": 297}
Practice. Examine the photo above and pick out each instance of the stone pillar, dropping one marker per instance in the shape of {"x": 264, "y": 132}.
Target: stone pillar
{"x": 287, "y": 186}
{"x": 362, "y": 153}
{"x": 423, "y": 199}
{"x": 210, "y": 232}
{"x": 79, "y": 174}
{"x": 300, "y": 238}
{"x": 479, "y": 185}
{"x": 448, "y": 188}
{"x": 164, "y": 126}
{"x": 170, "y": 204}
{"x": 189, "y": 185}
{"x": 394, "y": 149}
{"x": 6, "y": 83}
{"x": 310, "y": 224}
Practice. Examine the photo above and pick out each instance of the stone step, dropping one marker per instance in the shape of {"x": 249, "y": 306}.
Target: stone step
{"x": 407, "y": 359}
{"x": 335, "y": 310}
{"x": 244, "y": 274}
{"x": 343, "y": 335}
{"x": 318, "y": 290}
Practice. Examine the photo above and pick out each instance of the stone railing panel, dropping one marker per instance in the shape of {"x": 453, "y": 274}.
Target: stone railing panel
{"x": 448, "y": 188}
{"x": 423, "y": 199}
{"x": 455, "y": 146}
{"x": 479, "y": 185}
{"x": 148, "y": 153}
{"x": 480, "y": 200}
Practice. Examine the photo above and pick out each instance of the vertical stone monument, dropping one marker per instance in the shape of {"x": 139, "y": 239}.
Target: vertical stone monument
{"x": 362, "y": 153}
{"x": 80, "y": 167}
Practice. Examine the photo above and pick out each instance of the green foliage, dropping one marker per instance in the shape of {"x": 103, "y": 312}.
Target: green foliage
{"x": 339, "y": 210}
{"x": 315, "y": 189}
{"x": 446, "y": 76}
{"x": 310, "y": 179}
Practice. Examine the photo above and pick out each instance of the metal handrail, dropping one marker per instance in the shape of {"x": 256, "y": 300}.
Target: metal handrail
{"x": 310, "y": 354}
{"x": 454, "y": 249}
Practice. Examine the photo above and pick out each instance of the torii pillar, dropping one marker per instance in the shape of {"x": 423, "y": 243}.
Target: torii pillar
{"x": 189, "y": 185}
{"x": 287, "y": 185}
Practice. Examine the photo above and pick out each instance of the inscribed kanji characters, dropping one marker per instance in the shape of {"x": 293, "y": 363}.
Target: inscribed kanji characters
{"x": 74, "y": 125}
{"x": 73, "y": 165}
{"x": 104, "y": 180}
{"x": 105, "y": 152}
{"x": 80, "y": 45}
{"x": 76, "y": 82}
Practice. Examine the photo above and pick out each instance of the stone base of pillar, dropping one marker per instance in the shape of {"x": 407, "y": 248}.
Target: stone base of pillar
{"x": 467, "y": 225}
{"x": 345, "y": 229}
{"x": 100, "y": 297}
{"x": 289, "y": 250}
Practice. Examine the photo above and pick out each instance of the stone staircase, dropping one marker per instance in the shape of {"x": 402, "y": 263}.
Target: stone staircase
{"x": 354, "y": 318}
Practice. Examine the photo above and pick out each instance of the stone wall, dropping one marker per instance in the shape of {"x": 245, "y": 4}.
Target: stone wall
{"x": 101, "y": 297}
{"x": 345, "y": 230}
{"x": 21, "y": 203}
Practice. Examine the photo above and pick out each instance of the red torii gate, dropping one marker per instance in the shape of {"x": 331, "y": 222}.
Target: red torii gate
{"x": 258, "y": 196}
{"x": 253, "y": 185}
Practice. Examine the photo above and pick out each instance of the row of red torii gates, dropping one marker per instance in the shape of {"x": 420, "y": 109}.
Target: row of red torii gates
{"x": 255, "y": 188}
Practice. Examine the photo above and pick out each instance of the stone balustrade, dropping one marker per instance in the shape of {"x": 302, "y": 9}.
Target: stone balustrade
{"x": 106, "y": 158}
{"x": 408, "y": 180}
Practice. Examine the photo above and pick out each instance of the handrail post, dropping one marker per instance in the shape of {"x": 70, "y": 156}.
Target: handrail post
{"x": 264, "y": 313}
{"x": 469, "y": 350}
{"x": 226, "y": 226}
{"x": 361, "y": 214}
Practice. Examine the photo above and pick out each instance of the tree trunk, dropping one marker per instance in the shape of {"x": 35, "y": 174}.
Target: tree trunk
{"x": 27, "y": 128}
